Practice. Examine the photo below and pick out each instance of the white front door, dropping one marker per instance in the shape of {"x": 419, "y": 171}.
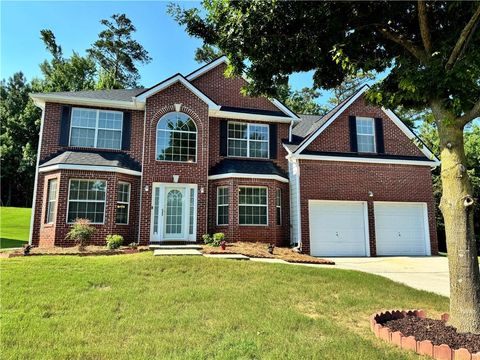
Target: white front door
{"x": 174, "y": 212}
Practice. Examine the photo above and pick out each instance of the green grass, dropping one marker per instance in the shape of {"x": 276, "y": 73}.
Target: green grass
{"x": 14, "y": 226}
{"x": 144, "y": 307}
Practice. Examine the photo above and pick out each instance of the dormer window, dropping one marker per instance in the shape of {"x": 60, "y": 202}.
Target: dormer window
{"x": 366, "y": 135}
{"x": 96, "y": 128}
{"x": 248, "y": 140}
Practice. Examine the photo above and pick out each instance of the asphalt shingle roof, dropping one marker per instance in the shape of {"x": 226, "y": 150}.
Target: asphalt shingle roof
{"x": 101, "y": 158}
{"x": 237, "y": 166}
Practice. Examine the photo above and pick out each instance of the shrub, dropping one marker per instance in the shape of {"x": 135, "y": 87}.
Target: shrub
{"x": 114, "y": 241}
{"x": 207, "y": 239}
{"x": 217, "y": 238}
{"x": 81, "y": 232}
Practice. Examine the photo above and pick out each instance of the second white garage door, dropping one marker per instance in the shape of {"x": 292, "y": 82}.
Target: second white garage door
{"x": 337, "y": 228}
{"x": 401, "y": 228}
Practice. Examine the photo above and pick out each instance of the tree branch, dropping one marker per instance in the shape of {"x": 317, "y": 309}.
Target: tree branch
{"x": 424, "y": 29}
{"x": 472, "y": 114}
{"x": 462, "y": 40}
{"x": 406, "y": 44}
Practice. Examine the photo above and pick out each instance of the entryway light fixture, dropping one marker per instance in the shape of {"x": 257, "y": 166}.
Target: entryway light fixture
{"x": 370, "y": 193}
{"x": 145, "y": 188}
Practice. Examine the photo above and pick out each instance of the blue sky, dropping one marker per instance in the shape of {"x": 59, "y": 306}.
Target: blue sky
{"x": 76, "y": 26}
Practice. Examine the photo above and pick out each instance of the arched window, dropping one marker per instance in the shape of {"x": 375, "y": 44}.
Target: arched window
{"x": 176, "y": 138}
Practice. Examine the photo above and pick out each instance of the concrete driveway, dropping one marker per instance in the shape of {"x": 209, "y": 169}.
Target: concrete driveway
{"x": 424, "y": 273}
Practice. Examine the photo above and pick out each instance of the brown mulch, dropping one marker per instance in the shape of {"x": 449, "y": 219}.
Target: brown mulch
{"x": 260, "y": 250}
{"x": 437, "y": 331}
{"x": 75, "y": 251}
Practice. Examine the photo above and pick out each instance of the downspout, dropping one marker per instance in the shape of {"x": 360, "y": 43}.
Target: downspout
{"x": 35, "y": 184}
{"x": 143, "y": 168}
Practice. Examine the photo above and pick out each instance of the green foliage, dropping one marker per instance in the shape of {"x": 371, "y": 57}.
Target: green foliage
{"x": 206, "y": 53}
{"x": 302, "y": 101}
{"x": 213, "y": 240}
{"x": 207, "y": 239}
{"x": 114, "y": 241}
{"x": 349, "y": 86}
{"x": 81, "y": 232}
{"x": 117, "y": 53}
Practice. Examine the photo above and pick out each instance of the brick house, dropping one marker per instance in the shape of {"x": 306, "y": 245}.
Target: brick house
{"x": 191, "y": 155}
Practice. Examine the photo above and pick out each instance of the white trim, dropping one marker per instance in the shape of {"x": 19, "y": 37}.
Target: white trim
{"x": 223, "y": 205}
{"x": 244, "y": 116}
{"x": 410, "y": 134}
{"x": 91, "y": 201}
{"x": 365, "y": 217}
{"x": 35, "y": 184}
{"x": 123, "y": 202}
{"x": 426, "y": 224}
{"x": 254, "y": 205}
{"x": 41, "y": 99}
{"x": 247, "y": 176}
{"x": 364, "y": 160}
{"x": 142, "y": 98}
{"x": 89, "y": 168}
{"x": 223, "y": 59}
{"x": 141, "y": 178}
{"x": 329, "y": 121}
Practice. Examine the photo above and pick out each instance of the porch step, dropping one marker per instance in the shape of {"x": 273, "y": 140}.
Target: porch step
{"x": 173, "y": 247}
{"x": 176, "y": 252}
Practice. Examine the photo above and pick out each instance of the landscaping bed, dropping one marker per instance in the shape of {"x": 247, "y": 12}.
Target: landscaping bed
{"x": 260, "y": 250}
{"x": 411, "y": 330}
{"x": 74, "y": 250}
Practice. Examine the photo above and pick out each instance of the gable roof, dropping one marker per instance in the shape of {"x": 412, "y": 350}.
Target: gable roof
{"x": 314, "y": 127}
{"x": 224, "y": 60}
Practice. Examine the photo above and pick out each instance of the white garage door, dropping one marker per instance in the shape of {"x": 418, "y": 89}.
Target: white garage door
{"x": 337, "y": 228}
{"x": 400, "y": 228}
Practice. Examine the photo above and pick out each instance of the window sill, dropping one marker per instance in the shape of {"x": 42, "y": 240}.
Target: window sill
{"x": 48, "y": 225}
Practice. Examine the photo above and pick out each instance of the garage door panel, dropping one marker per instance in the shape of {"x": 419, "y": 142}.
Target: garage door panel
{"x": 400, "y": 228}
{"x": 337, "y": 228}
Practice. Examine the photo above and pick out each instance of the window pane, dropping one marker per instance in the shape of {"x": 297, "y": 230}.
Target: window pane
{"x": 51, "y": 201}
{"x": 192, "y": 210}
{"x": 366, "y": 143}
{"x": 237, "y": 147}
{"x": 258, "y": 149}
{"x": 176, "y": 138}
{"x": 82, "y": 137}
{"x": 253, "y": 206}
{"x": 86, "y": 200}
{"x": 122, "y": 213}
{"x": 222, "y": 205}
{"x": 109, "y": 139}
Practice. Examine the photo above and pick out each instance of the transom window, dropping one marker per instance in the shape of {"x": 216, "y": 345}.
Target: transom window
{"x": 52, "y": 201}
{"x": 223, "y": 199}
{"x": 96, "y": 128}
{"x": 176, "y": 138}
{"x": 365, "y": 135}
{"x": 248, "y": 140}
{"x": 252, "y": 206}
{"x": 123, "y": 203}
{"x": 86, "y": 200}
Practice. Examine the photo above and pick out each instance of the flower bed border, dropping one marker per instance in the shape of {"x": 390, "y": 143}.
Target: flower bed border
{"x": 425, "y": 347}
{"x": 7, "y": 254}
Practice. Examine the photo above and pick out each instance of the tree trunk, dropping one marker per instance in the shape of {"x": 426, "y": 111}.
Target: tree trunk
{"x": 457, "y": 208}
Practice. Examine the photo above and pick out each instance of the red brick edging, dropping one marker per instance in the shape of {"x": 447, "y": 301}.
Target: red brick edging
{"x": 425, "y": 347}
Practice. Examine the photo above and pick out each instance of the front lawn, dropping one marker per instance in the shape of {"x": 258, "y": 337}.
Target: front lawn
{"x": 144, "y": 307}
{"x": 14, "y": 226}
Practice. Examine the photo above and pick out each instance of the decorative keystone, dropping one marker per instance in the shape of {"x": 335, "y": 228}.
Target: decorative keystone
{"x": 442, "y": 352}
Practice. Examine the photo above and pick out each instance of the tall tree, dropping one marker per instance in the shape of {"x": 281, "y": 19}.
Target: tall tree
{"x": 118, "y": 53}
{"x": 206, "y": 53}
{"x": 303, "y": 101}
{"x": 19, "y": 140}
{"x": 65, "y": 74}
{"x": 349, "y": 86}
{"x": 431, "y": 50}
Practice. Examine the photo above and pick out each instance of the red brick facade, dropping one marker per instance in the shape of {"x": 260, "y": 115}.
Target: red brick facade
{"x": 322, "y": 180}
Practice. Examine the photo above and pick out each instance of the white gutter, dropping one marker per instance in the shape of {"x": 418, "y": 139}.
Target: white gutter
{"x": 89, "y": 168}
{"x": 41, "y": 99}
{"x": 244, "y": 116}
{"x": 35, "y": 184}
{"x": 364, "y": 160}
{"x": 248, "y": 176}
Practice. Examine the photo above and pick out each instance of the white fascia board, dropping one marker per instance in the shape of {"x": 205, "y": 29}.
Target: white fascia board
{"x": 89, "y": 168}
{"x": 142, "y": 98}
{"x": 284, "y": 109}
{"x": 247, "y": 176}
{"x": 243, "y": 116}
{"x": 41, "y": 99}
{"x": 207, "y": 68}
{"x": 410, "y": 134}
{"x": 365, "y": 160}
{"x": 331, "y": 120}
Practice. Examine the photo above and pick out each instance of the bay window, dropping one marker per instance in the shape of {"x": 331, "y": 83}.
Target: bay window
{"x": 86, "y": 200}
{"x": 253, "y": 206}
{"x": 123, "y": 203}
{"x": 223, "y": 199}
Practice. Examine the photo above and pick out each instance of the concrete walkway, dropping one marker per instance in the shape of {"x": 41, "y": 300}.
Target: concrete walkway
{"x": 423, "y": 273}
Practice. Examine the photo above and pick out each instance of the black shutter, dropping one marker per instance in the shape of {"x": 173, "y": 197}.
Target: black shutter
{"x": 273, "y": 141}
{"x": 127, "y": 130}
{"x": 379, "y": 135}
{"x": 352, "y": 124}
{"x": 65, "y": 126}
{"x": 223, "y": 137}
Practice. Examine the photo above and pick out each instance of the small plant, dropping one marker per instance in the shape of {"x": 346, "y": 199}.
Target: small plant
{"x": 207, "y": 239}
{"x": 81, "y": 232}
{"x": 217, "y": 238}
{"x": 133, "y": 245}
{"x": 223, "y": 244}
{"x": 114, "y": 241}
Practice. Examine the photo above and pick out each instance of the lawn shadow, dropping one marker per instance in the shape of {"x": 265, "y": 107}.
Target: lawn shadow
{"x": 11, "y": 243}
